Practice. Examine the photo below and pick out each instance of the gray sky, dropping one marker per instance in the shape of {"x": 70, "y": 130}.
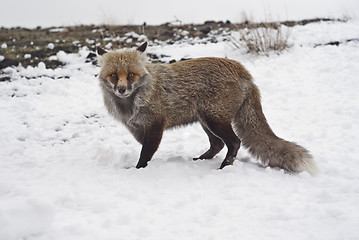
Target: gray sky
{"x": 70, "y": 12}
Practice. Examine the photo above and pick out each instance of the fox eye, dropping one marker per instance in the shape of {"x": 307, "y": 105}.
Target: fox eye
{"x": 131, "y": 75}
{"x": 113, "y": 76}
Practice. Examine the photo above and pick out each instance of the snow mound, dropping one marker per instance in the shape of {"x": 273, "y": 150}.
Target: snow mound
{"x": 21, "y": 218}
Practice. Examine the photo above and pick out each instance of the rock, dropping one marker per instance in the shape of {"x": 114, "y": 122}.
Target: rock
{"x": 8, "y": 62}
{"x": 205, "y": 29}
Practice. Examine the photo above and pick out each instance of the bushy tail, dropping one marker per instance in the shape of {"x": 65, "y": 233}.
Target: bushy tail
{"x": 252, "y": 128}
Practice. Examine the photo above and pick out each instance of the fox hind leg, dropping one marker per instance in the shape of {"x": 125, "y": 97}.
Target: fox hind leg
{"x": 215, "y": 147}
{"x": 223, "y": 130}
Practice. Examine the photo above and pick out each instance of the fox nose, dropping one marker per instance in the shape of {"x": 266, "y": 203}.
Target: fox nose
{"x": 122, "y": 90}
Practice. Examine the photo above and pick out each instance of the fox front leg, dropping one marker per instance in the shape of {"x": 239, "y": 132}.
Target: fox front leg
{"x": 151, "y": 140}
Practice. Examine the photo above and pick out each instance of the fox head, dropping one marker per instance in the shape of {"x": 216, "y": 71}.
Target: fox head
{"x": 123, "y": 71}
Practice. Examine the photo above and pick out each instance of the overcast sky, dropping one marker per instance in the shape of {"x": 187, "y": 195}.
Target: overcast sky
{"x": 32, "y": 13}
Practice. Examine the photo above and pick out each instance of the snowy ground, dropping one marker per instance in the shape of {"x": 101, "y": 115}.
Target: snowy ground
{"x": 67, "y": 168}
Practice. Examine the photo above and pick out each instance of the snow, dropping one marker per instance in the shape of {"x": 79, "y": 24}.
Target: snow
{"x": 58, "y": 30}
{"x": 24, "y": 217}
{"x": 51, "y": 46}
{"x": 67, "y": 168}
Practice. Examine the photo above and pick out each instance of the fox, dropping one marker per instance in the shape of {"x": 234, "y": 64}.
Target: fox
{"x": 219, "y": 93}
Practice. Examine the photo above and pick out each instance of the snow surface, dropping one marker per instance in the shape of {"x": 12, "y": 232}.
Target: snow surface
{"x": 67, "y": 168}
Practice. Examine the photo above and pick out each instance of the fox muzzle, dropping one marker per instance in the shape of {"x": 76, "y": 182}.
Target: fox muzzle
{"x": 121, "y": 89}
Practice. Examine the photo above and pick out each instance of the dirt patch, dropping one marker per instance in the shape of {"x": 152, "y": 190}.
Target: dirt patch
{"x": 31, "y": 46}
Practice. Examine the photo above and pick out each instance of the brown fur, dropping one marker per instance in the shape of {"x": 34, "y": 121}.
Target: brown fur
{"x": 218, "y": 93}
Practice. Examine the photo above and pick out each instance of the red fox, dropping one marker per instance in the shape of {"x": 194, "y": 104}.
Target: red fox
{"x": 218, "y": 93}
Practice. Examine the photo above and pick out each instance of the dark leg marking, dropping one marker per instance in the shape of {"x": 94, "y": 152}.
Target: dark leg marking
{"x": 216, "y": 145}
{"x": 224, "y": 131}
{"x": 151, "y": 141}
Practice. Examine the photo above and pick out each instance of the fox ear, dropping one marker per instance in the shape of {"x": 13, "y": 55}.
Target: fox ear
{"x": 142, "y": 48}
{"x": 100, "y": 51}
